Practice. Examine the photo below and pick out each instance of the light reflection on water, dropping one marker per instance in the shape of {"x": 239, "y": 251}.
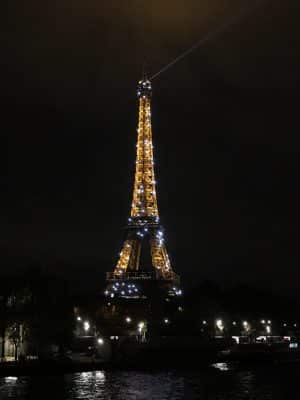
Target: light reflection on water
{"x": 221, "y": 366}
{"x": 125, "y": 385}
{"x": 9, "y": 379}
{"x": 83, "y": 384}
{"x": 222, "y": 382}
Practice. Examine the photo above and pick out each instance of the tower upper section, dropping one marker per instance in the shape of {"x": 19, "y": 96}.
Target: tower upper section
{"x": 144, "y": 203}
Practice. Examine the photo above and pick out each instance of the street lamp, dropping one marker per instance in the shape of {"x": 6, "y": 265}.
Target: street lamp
{"x": 86, "y": 326}
{"x": 246, "y": 327}
{"x": 142, "y": 330}
{"x": 141, "y": 325}
{"x": 219, "y": 325}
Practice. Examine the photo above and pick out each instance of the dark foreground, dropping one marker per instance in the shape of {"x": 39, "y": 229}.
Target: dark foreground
{"x": 223, "y": 381}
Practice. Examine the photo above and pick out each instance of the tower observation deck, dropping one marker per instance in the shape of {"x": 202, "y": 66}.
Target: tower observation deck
{"x": 143, "y": 231}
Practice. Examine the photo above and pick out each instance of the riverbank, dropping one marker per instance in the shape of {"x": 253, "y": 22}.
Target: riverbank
{"x": 27, "y": 368}
{"x": 141, "y": 356}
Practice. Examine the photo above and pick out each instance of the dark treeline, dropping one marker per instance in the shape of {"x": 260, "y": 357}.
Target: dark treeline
{"x": 36, "y": 312}
{"x": 241, "y": 300}
{"x": 39, "y": 311}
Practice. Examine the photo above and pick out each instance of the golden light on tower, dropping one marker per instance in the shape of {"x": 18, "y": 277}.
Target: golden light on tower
{"x": 144, "y": 202}
{"x": 143, "y": 223}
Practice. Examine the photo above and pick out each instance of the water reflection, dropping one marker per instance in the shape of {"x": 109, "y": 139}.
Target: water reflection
{"x": 125, "y": 386}
{"x": 221, "y": 366}
{"x": 10, "y": 379}
{"x": 222, "y": 382}
{"x": 87, "y": 385}
{"x": 10, "y": 386}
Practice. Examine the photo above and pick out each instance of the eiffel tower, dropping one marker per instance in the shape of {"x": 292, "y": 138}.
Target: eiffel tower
{"x": 143, "y": 257}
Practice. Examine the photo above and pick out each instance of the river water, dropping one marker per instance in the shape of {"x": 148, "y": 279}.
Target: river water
{"x": 220, "y": 382}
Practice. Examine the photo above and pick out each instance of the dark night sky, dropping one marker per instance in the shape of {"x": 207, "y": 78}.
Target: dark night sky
{"x": 225, "y": 123}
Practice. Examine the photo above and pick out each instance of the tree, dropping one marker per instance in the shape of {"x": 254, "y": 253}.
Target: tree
{"x": 14, "y": 335}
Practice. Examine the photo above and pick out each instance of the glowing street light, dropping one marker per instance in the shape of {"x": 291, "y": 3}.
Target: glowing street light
{"x": 141, "y": 326}
{"x": 219, "y": 325}
{"x": 86, "y": 326}
{"x": 142, "y": 330}
{"x": 268, "y": 329}
{"x": 128, "y": 320}
{"x": 100, "y": 341}
{"x": 166, "y": 321}
{"x": 246, "y": 325}
{"x": 78, "y": 318}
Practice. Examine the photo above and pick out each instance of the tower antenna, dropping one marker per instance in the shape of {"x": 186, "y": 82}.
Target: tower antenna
{"x": 145, "y": 70}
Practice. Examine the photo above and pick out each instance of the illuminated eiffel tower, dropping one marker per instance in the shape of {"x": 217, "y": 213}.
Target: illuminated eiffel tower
{"x": 143, "y": 233}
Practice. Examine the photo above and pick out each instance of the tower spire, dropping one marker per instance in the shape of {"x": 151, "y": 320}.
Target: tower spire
{"x": 145, "y": 71}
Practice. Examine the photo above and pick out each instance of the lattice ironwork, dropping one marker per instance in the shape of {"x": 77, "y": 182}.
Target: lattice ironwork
{"x": 143, "y": 224}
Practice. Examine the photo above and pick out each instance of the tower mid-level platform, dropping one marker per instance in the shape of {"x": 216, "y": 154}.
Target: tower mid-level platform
{"x": 142, "y": 276}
